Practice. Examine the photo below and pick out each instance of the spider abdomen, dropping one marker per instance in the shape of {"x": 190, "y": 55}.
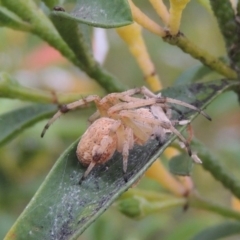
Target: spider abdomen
{"x": 98, "y": 143}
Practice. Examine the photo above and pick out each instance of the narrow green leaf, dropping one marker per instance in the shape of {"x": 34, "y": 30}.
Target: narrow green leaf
{"x": 14, "y": 122}
{"x": 52, "y": 3}
{"x": 230, "y": 28}
{"x": 102, "y": 13}
{"x": 77, "y": 36}
{"x": 238, "y": 9}
{"x": 196, "y": 201}
{"x": 205, "y": 4}
{"x": 181, "y": 165}
{"x": 226, "y": 20}
{"x": 9, "y": 19}
{"x": 40, "y": 25}
{"x": 219, "y": 231}
{"x": 218, "y": 171}
{"x": 62, "y": 209}
{"x": 74, "y": 35}
{"x": 192, "y": 74}
{"x": 11, "y": 88}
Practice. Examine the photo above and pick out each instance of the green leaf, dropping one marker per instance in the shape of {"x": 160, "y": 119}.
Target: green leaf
{"x": 217, "y": 170}
{"x": 205, "y": 4}
{"x": 40, "y": 25}
{"x": 220, "y": 231}
{"x": 192, "y": 74}
{"x": 77, "y": 36}
{"x": 52, "y": 3}
{"x": 226, "y": 20}
{"x": 14, "y": 122}
{"x": 9, "y": 19}
{"x": 62, "y": 209}
{"x": 102, "y": 13}
{"x": 230, "y": 28}
{"x": 181, "y": 165}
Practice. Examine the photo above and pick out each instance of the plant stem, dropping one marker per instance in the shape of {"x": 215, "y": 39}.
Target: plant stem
{"x": 138, "y": 203}
{"x": 105, "y": 79}
{"x": 217, "y": 170}
{"x": 44, "y": 28}
{"x": 198, "y": 202}
{"x": 207, "y": 59}
{"x": 9, "y": 88}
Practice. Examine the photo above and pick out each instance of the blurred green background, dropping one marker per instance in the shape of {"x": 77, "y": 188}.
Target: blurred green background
{"x": 26, "y": 160}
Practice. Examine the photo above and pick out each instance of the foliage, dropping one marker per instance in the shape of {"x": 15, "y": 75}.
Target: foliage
{"x": 62, "y": 209}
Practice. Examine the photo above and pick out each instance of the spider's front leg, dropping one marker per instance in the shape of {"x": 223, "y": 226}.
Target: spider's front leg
{"x": 178, "y": 102}
{"x": 125, "y": 141}
{"x": 147, "y": 93}
{"x": 65, "y": 108}
{"x": 131, "y": 103}
{"x": 127, "y": 96}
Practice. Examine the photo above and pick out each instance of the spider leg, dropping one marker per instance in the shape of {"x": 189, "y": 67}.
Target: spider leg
{"x": 166, "y": 124}
{"x": 143, "y": 129}
{"x": 65, "y": 108}
{"x": 132, "y": 103}
{"x": 128, "y": 144}
{"x": 147, "y": 93}
{"x": 115, "y": 98}
{"x": 169, "y": 126}
{"x": 175, "y": 101}
{"x": 181, "y": 122}
{"x": 125, "y": 143}
{"x": 141, "y": 132}
{"x": 89, "y": 169}
{"x": 94, "y": 117}
{"x": 180, "y": 136}
{"x": 142, "y": 90}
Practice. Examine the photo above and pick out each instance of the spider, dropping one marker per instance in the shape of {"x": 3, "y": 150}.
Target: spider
{"x": 122, "y": 120}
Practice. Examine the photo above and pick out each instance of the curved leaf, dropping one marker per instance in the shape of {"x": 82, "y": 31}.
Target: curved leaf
{"x": 229, "y": 26}
{"x": 14, "y": 122}
{"x": 192, "y": 74}
{"x": 222, "y": 230}
{"x": 77, "y": 36}
{"x": 101, "y": 13}
{"x": 9, "y": 19}
{"x": 52, "y": 3}
{"x": 216, "y": 168}
{"x": 181, "y": 165}
{"x": 62, "y": 209}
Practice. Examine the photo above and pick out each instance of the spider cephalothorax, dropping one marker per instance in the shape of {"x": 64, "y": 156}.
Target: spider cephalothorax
{"x": 121, "y": 120}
